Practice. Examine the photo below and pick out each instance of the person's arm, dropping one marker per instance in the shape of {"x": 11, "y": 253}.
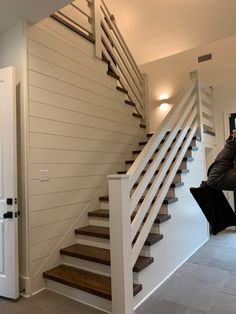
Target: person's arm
{"x": 222, "y": 174}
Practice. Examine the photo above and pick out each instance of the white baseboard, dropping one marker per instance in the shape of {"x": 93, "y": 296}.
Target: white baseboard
{"x": 25, "y": 286}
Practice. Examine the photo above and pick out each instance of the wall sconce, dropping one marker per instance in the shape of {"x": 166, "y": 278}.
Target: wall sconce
{"x": 164, "y": 106}
{"x": 164, "y": 102}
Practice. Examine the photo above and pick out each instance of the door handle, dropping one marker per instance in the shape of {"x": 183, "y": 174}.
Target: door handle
{"x": 8, "y": 215}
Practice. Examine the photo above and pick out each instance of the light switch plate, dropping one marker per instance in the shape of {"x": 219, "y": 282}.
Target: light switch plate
{"x": 44, "y": 175}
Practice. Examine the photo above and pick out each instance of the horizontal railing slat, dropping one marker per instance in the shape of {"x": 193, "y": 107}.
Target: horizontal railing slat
{"x": 82, "y": 6}
{"x": 161, "y": 196}
{"x": 122, "y": 43}
{"x": 77, "y": 17}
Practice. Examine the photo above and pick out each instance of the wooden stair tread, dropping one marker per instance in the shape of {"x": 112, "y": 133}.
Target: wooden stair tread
{"x": 142, "y": 126}
{"x": 130, "y": 103}
{"x": 100, "y": 255}
{"x": 90, "y": 282}
{"x": 113, "y": 74}
{"x": 104, "y": 59}
{"x": 104, "y": 213}
{"x": 95, "y": 231}
{"x": 137, "y": 115}
{"x": 88, "y": 252}
{"x": 208, "y": 130}
{"x": 170, "y": 200}
{"x": 122, "y": 89}
{"x": 104, "y": 232}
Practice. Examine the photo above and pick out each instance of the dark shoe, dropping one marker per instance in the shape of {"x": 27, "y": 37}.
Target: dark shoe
{"x": 215, "y": 207}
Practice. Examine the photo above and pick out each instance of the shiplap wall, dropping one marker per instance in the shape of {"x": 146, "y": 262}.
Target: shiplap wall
{"x": 79, "y": 130}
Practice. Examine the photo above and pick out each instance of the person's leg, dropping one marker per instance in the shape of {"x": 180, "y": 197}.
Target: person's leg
{"x": 222, "y": 175}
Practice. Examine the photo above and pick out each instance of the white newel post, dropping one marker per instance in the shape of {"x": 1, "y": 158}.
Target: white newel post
{"x": 146, "y": 110}
{"x": 213, "y": 109}
{"x": 120, "y": 244}
{"x": 195, "y": 76}
{"x": 97, "y": 27}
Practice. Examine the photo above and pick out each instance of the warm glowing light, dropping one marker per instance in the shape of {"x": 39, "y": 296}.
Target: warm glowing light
{"x": 164, "y": 106}
{"x": 164, "y": 96}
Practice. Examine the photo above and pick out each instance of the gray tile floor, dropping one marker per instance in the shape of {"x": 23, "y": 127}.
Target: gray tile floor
{"x": 206, "y": 283}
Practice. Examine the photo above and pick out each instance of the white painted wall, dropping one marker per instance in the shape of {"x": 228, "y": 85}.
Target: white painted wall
{"x": 171, "y": 75}
{"x": 80, "y": 130}
{"x": 13, "y": 52}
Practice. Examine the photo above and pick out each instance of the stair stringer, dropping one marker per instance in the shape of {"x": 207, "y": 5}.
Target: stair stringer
{"x": 183, "y": 234}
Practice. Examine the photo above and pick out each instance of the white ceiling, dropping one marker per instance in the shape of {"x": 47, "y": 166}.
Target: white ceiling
{"x": 32, "y": 11}
{"x": 155, "y": 29}
{"x": 171, "y": 74}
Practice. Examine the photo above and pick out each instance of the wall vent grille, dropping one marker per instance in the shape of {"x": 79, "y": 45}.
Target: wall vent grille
{"x": 204, "y": 57}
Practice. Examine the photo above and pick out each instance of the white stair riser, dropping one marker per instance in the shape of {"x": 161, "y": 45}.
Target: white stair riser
{"x": 155, "y": 228}
{"x": 98, "y": 268}
{"x": 93, "y": 241}
{"x": 101, "y": 222}
{"x": 104, "y": 243}
{"x": 79, "y": 295}
{"x": 86, "y": 265}
{"x": 104, "y": 205}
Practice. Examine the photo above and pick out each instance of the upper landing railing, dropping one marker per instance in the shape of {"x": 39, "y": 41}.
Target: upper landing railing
{"x": 78, "y": 16}
{"x": 92, "y": 20}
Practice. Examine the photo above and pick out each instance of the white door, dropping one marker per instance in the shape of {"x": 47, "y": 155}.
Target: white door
{"x": 9, "y": 281}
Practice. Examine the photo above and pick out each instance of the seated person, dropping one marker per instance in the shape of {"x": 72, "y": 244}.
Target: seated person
{"x": 222, "y": 173}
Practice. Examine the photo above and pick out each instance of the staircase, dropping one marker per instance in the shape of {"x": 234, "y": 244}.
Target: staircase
{"x": 86, "y": 264}
{"x": 111, "y": 253}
